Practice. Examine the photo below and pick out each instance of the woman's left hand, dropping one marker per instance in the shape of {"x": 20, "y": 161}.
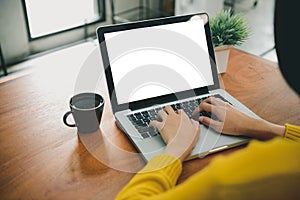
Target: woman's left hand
{"x": 179, "y": 132}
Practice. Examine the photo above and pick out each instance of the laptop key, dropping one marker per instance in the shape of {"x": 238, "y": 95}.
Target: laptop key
{"x": 174, "y": 107}
{"x": 153, "y": 118}
{"x": 153, "y": 131}
{"x": 138, "y": 122}
{"x": 141, "y": 120}
{"x": 145, "y": 114}
{"x": 152, "y": 113}
{"x": 141, "y": 123}
{"x": 142, "y": 129}
{"x": 146, "y": 120}
{"x": 131, "y": 117}
{"x": 138, "y": 115}
{"x": 145, "y": 135}
{"x": 178, "y": 106}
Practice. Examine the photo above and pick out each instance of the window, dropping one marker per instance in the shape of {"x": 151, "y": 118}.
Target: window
{"x": 48, "y": 17}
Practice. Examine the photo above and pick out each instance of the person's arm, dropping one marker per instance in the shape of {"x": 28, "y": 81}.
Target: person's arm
{"x": 161, "y": 173}
{"x": 262, "y": 170}
{"x": 158, "y": 179}
{"x": 232, "y": 121}
{"x": 158, "y": 176}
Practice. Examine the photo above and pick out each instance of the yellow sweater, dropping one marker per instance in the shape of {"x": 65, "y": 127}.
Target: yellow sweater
{"x": 263, "y": 170}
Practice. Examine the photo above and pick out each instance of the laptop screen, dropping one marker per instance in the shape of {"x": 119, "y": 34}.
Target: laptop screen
{"x": 154, "y": 61}
{"x": 158, "y": 60}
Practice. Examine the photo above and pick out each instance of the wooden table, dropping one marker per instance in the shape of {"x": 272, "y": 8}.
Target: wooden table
{"x": 41, "y": 158}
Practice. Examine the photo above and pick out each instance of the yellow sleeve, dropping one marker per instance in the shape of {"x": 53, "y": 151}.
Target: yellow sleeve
{"x": 292, "y": 132}
{"x": 263, "y": 170}
{"x": 159, "y": 175}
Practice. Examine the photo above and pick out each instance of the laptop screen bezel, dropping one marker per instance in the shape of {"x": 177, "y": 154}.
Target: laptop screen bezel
{"x": 101, "y": 31}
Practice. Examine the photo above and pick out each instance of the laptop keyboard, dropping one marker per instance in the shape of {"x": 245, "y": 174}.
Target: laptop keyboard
{"x": 142, "y": 119}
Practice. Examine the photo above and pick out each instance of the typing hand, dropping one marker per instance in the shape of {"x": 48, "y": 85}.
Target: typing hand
{"x": 178, "y": 131}
{"x": 226, "y": 118}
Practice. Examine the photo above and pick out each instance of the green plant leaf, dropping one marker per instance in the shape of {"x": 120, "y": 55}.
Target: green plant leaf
{"x": 228, "y": 29}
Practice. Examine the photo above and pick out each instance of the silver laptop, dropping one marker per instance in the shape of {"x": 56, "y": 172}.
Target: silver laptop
{"x": 167, "y": 61}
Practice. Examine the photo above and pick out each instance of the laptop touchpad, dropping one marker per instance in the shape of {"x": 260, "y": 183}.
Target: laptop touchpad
{"x": 151, "y": 145}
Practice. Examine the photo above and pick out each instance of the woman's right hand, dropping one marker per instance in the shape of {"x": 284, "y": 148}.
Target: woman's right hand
{"x": 232, "y": 121}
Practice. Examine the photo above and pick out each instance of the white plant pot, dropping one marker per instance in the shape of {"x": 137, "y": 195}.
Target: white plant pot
{"x": 221, "y": 55}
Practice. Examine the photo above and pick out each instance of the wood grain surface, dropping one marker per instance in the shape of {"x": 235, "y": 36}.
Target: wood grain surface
{"x": 41, "y": 158}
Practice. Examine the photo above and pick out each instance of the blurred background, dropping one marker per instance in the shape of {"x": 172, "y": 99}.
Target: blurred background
{"x": 35, "y": 28}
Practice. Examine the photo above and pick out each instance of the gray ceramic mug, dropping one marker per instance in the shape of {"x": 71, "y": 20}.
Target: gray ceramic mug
{"x": 86, "y": 109}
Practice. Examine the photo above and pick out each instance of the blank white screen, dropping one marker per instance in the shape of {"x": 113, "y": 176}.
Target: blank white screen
{"x": 147, "y": 83}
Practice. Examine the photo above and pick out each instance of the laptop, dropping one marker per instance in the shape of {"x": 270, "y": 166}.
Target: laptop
{"x": 166, "y": 61}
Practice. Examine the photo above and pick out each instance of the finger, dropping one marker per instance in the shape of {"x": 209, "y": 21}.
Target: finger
{"x": 169, "y": 110}
{"x": 157, "y": 124}
{"x": 196, "y": 126}
{"x": 216, "y": 125}
{"x": 162, "y": 114}
{"x": 214, "y": 101}
{"x": 197, "y": 129}
{"x": 208, "y": 101}
{"x": 182, "y": 113}
{"x": 196, "y": 110}
{"x": 204, "y": 106}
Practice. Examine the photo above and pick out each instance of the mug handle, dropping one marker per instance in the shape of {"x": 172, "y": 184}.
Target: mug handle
{"x": 65, "y": 119}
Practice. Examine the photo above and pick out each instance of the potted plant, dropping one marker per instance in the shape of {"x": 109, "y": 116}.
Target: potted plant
{"x": 227, "y": 30}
